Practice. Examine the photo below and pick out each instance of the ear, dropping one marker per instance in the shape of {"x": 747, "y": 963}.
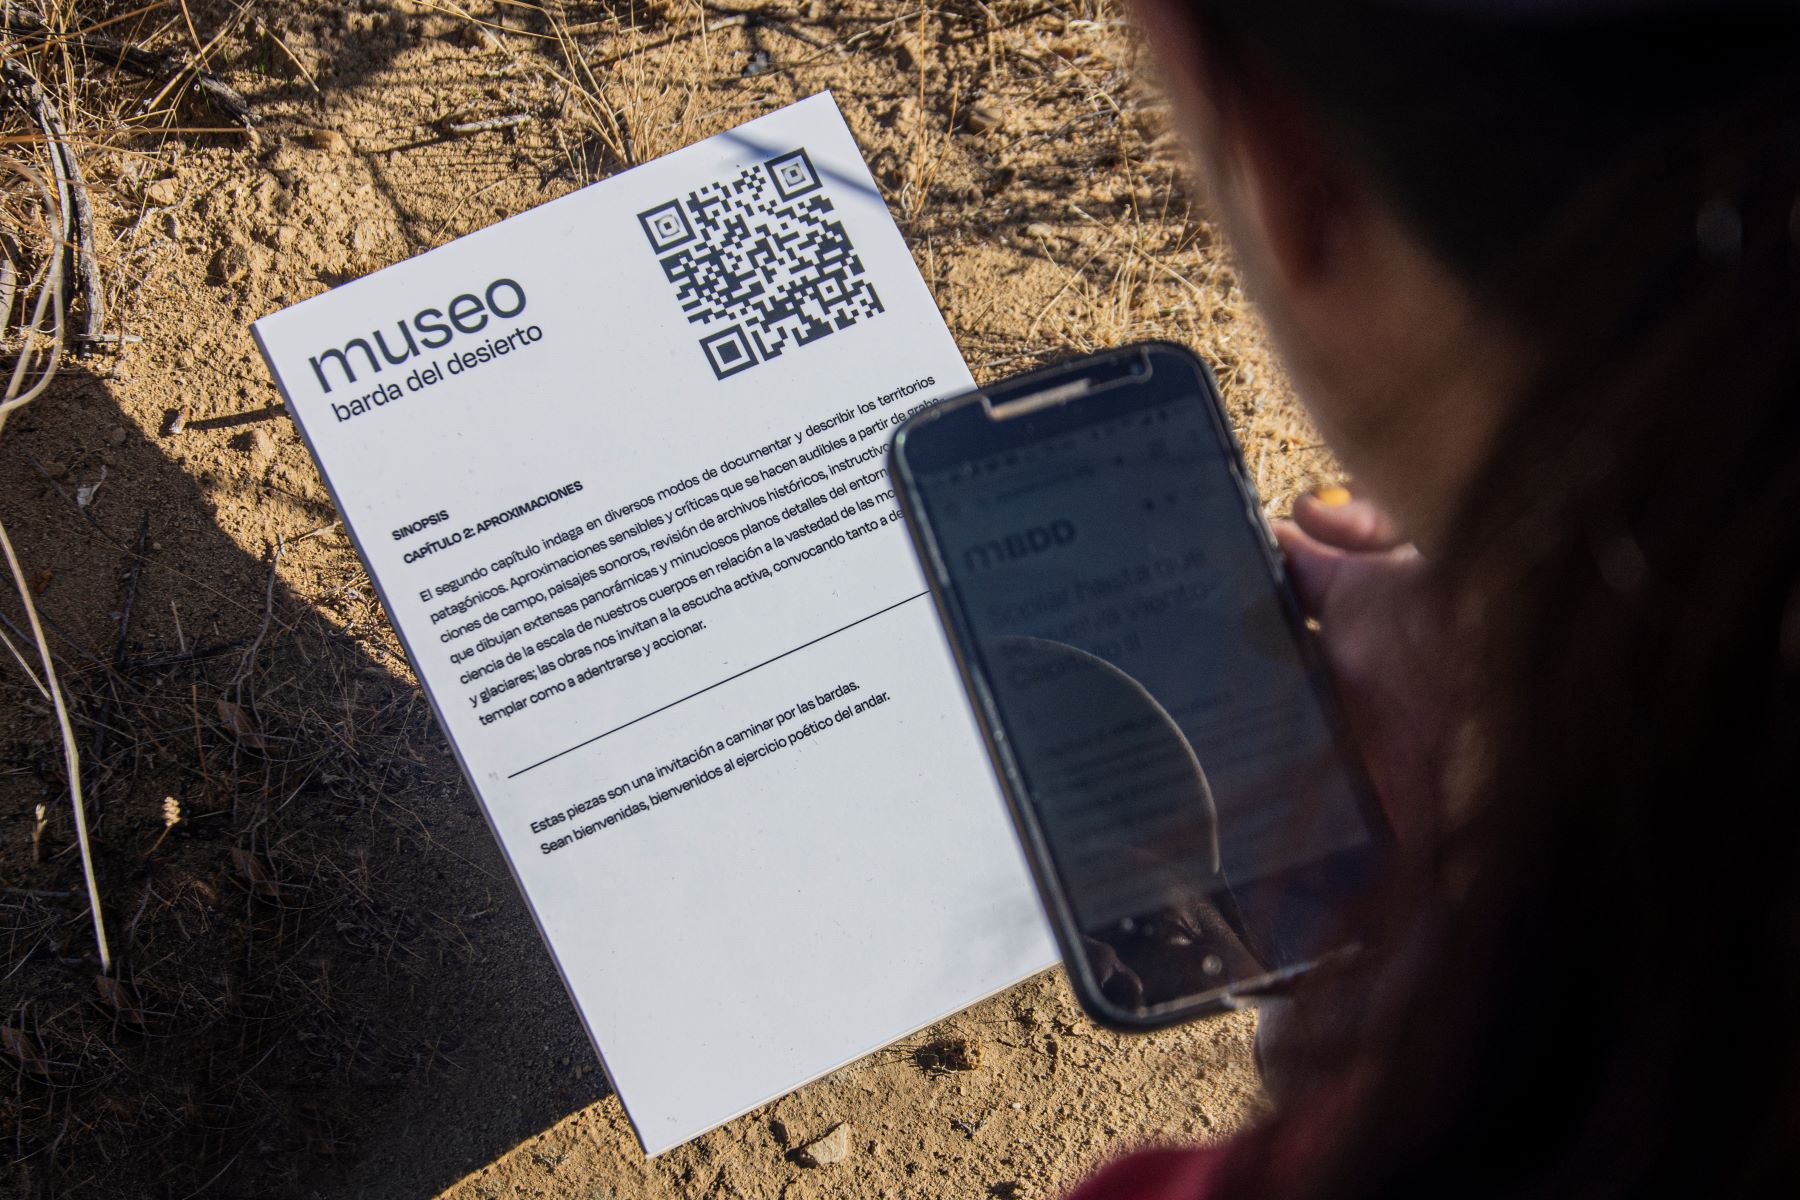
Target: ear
{"x": 1286, "y": 198}
{"x": 1301, "y": 205}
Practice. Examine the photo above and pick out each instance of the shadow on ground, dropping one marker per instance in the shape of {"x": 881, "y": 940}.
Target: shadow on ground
{"x": 323, "y": 957}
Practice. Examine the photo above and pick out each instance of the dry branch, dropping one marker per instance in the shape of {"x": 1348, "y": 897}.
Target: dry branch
{"x": 77, "y": 207}
{"x": 39, "y": 356}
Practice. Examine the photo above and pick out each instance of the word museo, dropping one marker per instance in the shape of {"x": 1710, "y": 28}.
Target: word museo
{"x": 428, "y": 329}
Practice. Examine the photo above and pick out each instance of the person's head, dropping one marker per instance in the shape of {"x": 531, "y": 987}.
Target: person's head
{"x": 1390, "y": 172}
{"x": 1535, "y": 268}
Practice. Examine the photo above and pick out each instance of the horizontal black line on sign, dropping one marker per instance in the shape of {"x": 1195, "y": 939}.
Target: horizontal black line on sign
{"x": 718, "y": 683}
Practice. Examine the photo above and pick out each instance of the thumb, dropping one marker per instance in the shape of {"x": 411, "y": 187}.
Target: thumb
{"x": 1346, "y": 522}
{"x": 1313, "y": 566}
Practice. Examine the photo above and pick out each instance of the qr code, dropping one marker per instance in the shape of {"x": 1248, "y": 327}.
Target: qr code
{"x": 763, "y": 258}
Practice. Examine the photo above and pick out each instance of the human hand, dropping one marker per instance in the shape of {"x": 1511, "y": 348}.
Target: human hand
{"x": 1384, "y": 641}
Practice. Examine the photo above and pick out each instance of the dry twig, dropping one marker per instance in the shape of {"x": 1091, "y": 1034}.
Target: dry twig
{"x": 485, "y": 124}
{"x": 39, "y": 356}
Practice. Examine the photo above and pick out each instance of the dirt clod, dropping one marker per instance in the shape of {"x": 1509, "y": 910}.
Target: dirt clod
{"x": 257, "y": 445}
{"x": 232, "y": 264}
{"x": 948, "y": 1054}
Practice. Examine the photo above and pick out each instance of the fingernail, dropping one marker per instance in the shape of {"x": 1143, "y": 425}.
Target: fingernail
{"x": 1332, "y": 495}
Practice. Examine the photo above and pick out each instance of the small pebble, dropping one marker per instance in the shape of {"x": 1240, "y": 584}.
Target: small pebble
{"x": 984, "y": 118}
{"x": 117, "y": 436}
{"x": 1039, "y": 230}
{"x": 833, "y": 1147}
{"x": 163, "y": 192}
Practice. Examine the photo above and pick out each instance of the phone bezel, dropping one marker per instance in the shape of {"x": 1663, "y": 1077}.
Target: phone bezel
{"x": 963, "y": 428}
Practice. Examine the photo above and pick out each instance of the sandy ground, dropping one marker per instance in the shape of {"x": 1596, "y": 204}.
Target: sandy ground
{"x": 331, "y": 987}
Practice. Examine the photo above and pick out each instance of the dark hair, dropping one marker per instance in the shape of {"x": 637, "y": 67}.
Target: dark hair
{"x": 1591, "y": 984}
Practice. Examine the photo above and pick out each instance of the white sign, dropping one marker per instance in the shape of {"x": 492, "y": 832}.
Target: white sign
{"x": 617, "y": 466}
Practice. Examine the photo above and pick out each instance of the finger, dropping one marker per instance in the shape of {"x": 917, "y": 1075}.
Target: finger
{"x": 1347, "y": 523}
{"x": 1313, "y": 567}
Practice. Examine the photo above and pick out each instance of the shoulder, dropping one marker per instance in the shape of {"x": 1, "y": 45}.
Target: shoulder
{"x": 1185, "y": 1173}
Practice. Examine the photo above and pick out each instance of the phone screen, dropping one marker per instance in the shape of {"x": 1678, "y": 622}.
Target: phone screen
{"x": 1168, "y": 733}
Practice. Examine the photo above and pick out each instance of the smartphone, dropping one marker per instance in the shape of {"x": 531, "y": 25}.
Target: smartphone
{"x": 1155, "y": 706}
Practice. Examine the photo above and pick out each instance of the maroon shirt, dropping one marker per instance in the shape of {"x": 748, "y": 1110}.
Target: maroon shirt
{"x": 1165, "y": 1174}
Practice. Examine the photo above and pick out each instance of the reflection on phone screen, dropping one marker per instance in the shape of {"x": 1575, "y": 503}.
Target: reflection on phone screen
{"x": 1151, "y": 695}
